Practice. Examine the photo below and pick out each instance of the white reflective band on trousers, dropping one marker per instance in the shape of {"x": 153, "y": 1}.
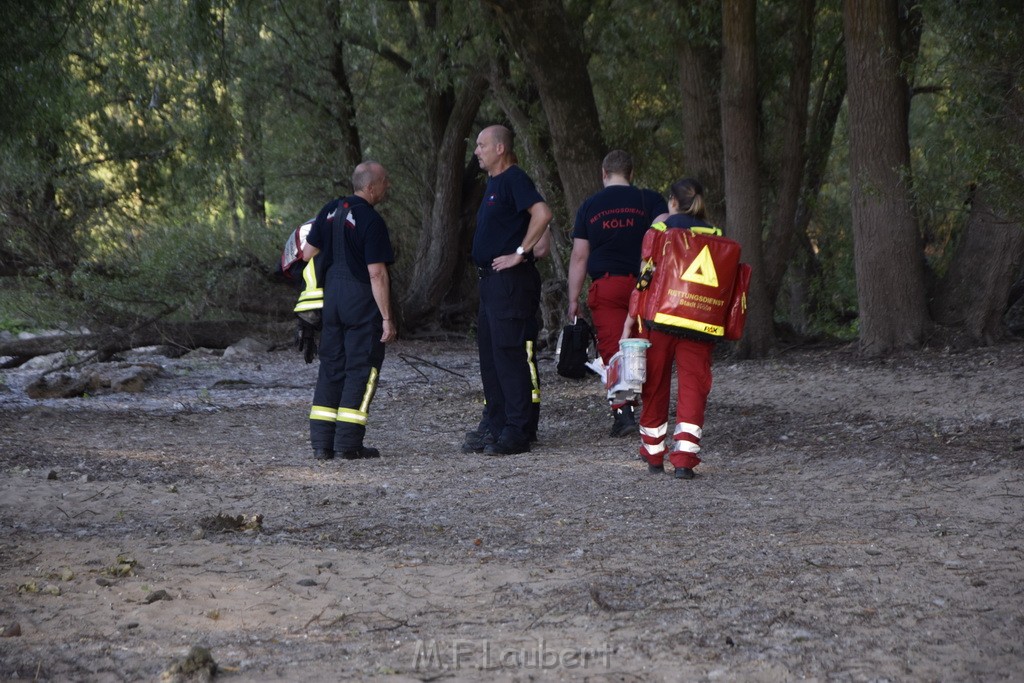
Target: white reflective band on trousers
{"x": 658, "y": 432}
{"x": 684, "y": 445}
{"x": 689, "y": 428}
{"x": 653, "y": 438}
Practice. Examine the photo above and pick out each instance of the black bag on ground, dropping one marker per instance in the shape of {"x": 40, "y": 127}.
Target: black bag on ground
{"x": 573, "y": 349}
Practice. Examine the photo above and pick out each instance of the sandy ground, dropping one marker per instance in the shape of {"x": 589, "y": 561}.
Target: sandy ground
{"x": 853, "y": 521}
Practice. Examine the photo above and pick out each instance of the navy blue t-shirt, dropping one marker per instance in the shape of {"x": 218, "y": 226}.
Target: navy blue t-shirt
{"x": 685, "y": 220}
{"x": 503, "y": 217}
{"x": 364, "y": 237}
{"x": 614, "y": 222}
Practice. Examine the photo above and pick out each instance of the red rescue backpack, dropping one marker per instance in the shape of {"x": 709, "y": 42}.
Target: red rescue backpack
{"x": 691, "y": 284}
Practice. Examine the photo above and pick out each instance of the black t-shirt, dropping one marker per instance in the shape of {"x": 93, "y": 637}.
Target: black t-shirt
{"x": 364, "y": 238}
{"x": 614, "y": 222}
{"x": 503, "y": 217}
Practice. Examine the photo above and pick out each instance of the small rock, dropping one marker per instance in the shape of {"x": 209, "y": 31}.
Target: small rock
{"x": 11, "y": 630}
{"x": 155, "y": 596}
{"x": 52, "y": 475}
{"x": 58, "y": 386}
{"x": 197, "y": 666}
{"x": 246, "y": 347}
{"x": 85, "y": 478}
{"x": 130, "y": 381}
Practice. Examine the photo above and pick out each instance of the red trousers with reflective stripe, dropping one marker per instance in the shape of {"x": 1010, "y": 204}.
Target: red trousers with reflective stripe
{"x": 692, "y": 361}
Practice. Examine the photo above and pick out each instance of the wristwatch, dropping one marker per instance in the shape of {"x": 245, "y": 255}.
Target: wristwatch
{"x": 520, "y": 250}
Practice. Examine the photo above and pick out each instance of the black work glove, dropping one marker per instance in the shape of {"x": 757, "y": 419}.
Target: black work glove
{"x": 305, "y": 337}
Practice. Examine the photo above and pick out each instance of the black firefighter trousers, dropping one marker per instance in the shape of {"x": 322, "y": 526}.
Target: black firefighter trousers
{"x": 351, "y": 355}
{"x": 506, "y": 319}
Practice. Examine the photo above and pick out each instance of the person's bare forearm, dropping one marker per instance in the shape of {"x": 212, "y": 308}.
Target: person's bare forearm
{"x": 380, "y": 285}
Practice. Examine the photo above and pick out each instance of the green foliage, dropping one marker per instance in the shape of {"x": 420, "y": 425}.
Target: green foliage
{"x": 634, "y": 70}
{"x": 133, "y": 135}
{"x": 833, "y": 288}
{"x": 27, "y": 305}
{"x": 966, "y": 122}
{"x": 192, "y": 272}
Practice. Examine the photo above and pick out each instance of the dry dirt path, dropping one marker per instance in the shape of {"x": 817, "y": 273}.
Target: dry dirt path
{"x": 853, "y": 521}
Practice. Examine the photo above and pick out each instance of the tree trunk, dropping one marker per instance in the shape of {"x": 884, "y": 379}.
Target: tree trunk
{"x": 189, "y": 335}
{"x": 439, "y": 249}
{"x": 779, "y": 245}
{"x": 742, "y": 176}
{"x": 888, "y": 254}
{"x": 551, "y": 49}
{"x": 699, "y": 67}
{"x": 351, "y": 145}
{"x": 974, "y": 293}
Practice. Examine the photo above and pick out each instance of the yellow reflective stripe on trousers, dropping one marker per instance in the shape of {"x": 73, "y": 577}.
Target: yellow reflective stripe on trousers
{"x": 352, "y": 416}
{"x": 371, "y": 389}
{"x": 323, "y": 413}
{"x": 532, "y": 364}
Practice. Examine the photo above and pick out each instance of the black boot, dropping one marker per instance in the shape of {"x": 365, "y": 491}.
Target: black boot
{"x": 625, "y": 422}
{"x": 361, "y": 453}
{"x": 476, "y": 441}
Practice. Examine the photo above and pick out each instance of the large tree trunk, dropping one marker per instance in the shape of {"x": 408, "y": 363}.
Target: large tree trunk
{"x": 550, "y": 45}
{"x": 779, "y": 245}
{"x": 975, "y": 291}
{"x": 699, "y": 67}
{"x": 742, "y": 176}
{"x": 186, "y": 335}
{"x": 439, "y": 251}
{"x": 887, "y": 247}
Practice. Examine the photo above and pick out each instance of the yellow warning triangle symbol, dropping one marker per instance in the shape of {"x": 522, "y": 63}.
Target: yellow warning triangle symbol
{"x": 702, "y": 270}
